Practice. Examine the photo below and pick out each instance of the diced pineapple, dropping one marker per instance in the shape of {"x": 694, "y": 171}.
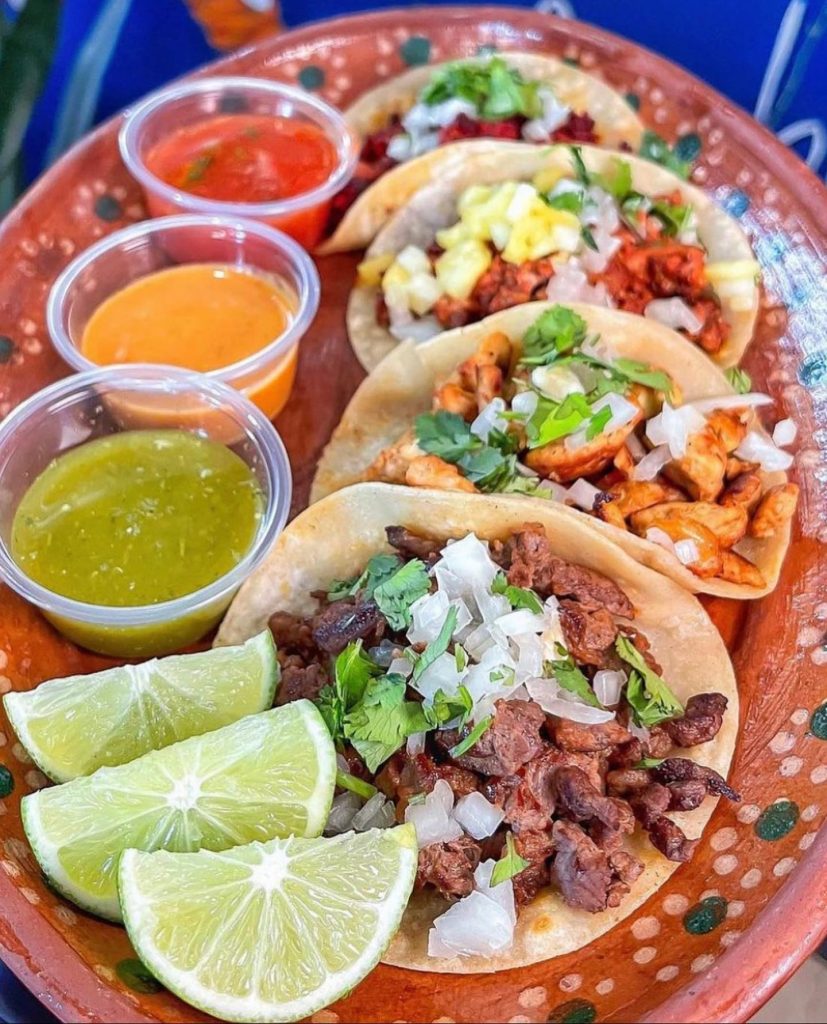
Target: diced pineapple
{"x": 735, "y": 280}
{"x": 414, "y": 260}
{"x": 478, "y": 216}
{"x": 449, "y": 237}
{"x": 423, "y": 290}
{"x": 540, "y": 233}
{"x": 500, "y": 232}
{"x": 395, "y": 276}
{"x": 473, "y": 196}
{"x": 547, "y": 178}
{"x": 525, "y": 196}
{"x": 458, "y": 269}
{"x": 370, "y": 271}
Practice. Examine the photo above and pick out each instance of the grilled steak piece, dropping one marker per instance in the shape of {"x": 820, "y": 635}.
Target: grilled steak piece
{"x": 686, "y": 796}
{"x": 300, "y": 681}
{"x": 577, "y": 736}
{"x": 412, "y": 545}
{"x": 529, "y": 882}
{"x": 627, "y": 782}
{"x": 589, "y": 635}
{"x": 580, "y": 869}
{"x": 669, "y": 838}
{"x": 292, "y": 634}
{"x": 579, "y": 800}
{"x": 650, "y": 803}
{"x": 680, "y": 769}
{"x": 512, "y": 739}
{"x": 403, "y": 776}
{"x": 449, "y": 867}
{"x": 344, "y": 621}
{"x": 701, "y": 720}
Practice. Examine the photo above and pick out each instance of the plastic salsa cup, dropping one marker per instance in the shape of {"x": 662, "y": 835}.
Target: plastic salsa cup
{"x": 186, "y": 105}
{"x": 119, "y": 259}
{"x": 91, "y": 406}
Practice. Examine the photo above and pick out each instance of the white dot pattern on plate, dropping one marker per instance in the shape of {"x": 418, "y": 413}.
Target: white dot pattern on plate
{"x": 819, "y": 774}
{"x": 790, "y": 766}
{"x": 729, "y": 938}
{"x": 604, "y": 987}
{"x": 570, "y": 982}
{"x": 784, "y": 866}
{"x": 531, "y": 998}
{"x": 702, "y": 963}
{"x": 668, "y": 973}
{"x": 725, "y": 864}
{"x": 645, "y": 928}
{"x": 735, "y": 908}
{"x": 675, "y": 904}
{"x": 782, "y": 742}
{"x": 748, "y": 813}
{"x": 751, "y": 878}
{"x": 644, "y": 954}
{"x": 723, "y": 839}
{"x": 806, "y": 841}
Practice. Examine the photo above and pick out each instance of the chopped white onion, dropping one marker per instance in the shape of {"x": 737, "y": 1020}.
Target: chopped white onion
{"x": 531, "y": 655}
{"x": 652, "y": 463}
{"x": 478, "y": 816}
{"x": 674, "y": 313}
{"x": 640, "y": 732}
{"x": 555, "y": 491}
{"x": 525, "y": 403}
{"x": 522, "y": 620}
{"x": 427, "y": 617}
{"x": 400, "y": 148}
{"x": 476, "y": 926}
{"x": 785, "y": 433}
{"x": 674, "y": 426}
{"x": 556, "y": 382}
{"x": 401, "y": 667}
{"x": 549, "y": 695}
{"x": 445, "y": 113}
{"x": 415, "y": 744}
{"x": 661, "y": 538}
{"x": 757, "y": 448}
{"x": 751, "y": 399}
{"x": 469, "y": 560}
{"x": 525, "y": 195}
{"x": 622, "y": 412}
{"x": 608, "y": 685}
{"x": 432, "y": 817}
{"x": 441, "y": 674}
{"x": 490, "y": 419}
{"x": 687, "y": 551}
{"x": 414, "y": 260}
{"x": 378, "y": 812}
{"x": 569, "y": 283}
{"x": 636, "y": 447}
{"x": 340, "y": 819}
{"x": 583, "y": 494}
{"x": 503, "y": 894}
{"x": 554, "y": 112}
{"x": 422, "y": 329}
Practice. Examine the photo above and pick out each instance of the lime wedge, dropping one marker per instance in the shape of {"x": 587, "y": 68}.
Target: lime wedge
{"x": 271, "y": 931}
{"x": 73, "y": 726}
{"x": 268, "y": 775}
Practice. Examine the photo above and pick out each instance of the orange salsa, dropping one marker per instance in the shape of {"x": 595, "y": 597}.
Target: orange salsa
{"x": 249, "y": 158}
{"x": 201, "y": 316}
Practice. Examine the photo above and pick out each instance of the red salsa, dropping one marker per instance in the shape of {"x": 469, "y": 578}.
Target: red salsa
{"x": 245, "y": 158}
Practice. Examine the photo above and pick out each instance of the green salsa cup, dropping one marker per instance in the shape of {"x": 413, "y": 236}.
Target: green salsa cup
{"x": 180, "y": 408}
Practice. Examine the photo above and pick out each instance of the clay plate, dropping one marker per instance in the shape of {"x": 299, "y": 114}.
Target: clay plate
{"x": 726, "y": 930}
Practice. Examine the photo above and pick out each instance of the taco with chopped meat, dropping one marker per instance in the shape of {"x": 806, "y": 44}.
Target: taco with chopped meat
{"x": 567, "y": 223}
{"x": 613, "y": 413}
{"x": 406, "y": 126}
{"x": 555, "y": 719}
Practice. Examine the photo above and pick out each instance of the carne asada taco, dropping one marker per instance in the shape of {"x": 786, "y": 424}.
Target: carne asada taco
{"x": 572, "y": 224}
{"x": 406, "y": 124}
{"x": 611, "y": 412}
{"x": 555, "y": 719}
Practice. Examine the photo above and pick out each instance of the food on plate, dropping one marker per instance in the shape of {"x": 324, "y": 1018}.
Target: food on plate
{"x": 570, "y": 224}
{"x": 405, "y": 127}
{"x": 201, "y": 316}
{"x": 318, "y": 914}
{"x": 549, "y": 714}
{"x": 268, "y": 775}
{"x": 75, "y": 725}
{"x": 612, "y": 413}
{"x": 137, "y": 518}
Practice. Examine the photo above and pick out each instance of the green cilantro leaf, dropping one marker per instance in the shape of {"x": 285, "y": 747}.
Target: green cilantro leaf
{"x": 569, "y": 676}
{"x": 648, "y": 762}
{"x": 570, "y": 201}
{"x": 445, "y": 434}
{"x": 552, "y": 420}
{"x": 496, "y": 90}
{"x": 598, "y": 422}
{"x": 588, "y": 237}
{"x": 617, "y": 181}
{"x": 488, "y": 468}
{"x": 352, "y": 671}
{"x": 675, "y": 217}
{"x": 518, "y": 597}
{"x": 739, "y": 379}
{"x": 580, "y": 171}
{"x": 472, "y": 738}
{"x": 437, "y": 647}
{"x": 395, "y": 595}
{"x": 509, "y": 865}
{"x": 630, "y": 209}
{"x": 381, "y": 722}
{"x": 446, "y": 708}
{"x": 554, "y": 332}
{"x": 640, "y": 373}
{"x": 378, "y": 569}
{"x": 647, "y": 694}
{"x": 655, "y": 148}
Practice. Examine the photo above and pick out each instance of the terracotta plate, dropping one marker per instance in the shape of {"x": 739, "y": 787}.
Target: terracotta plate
{"x": 727, "y": 929}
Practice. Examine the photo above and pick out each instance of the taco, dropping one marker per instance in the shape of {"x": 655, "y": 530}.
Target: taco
{"x": 555, "y": 719}
{"x": 608, "y": 411}
{"x": 572, "y": 224}
{"x": 405, "y": 127}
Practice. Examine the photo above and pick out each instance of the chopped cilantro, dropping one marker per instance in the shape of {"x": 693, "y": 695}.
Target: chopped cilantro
{"x": 509, "y": 865}
{"x": 739, "y": 379}
{"x": 675, "y": 217}
{"x": 436, "y": 648}
{"x": 640, "y": 373}
{"x": 648, "y": 762}
{"x": 518, "y": 597}
{"x": 588, "y": 238}
{"x": 570, "y": 201}
{"x": 378, "y": 569}
{"x": 553, "y": 420}
{"x": 580, "y": 171}
{"x": 198, "y": 168}
{"x": 352, "y": 671}
{"x": 488, "y": 466}
{"x": 445, "y": 434}
{"x": 649, "y": 697}
{"x": 395, "y": 594}
{"x": 569, "y": 676}
{"x": 617, "y": 181}
{"x": 496, "y": 90}
{"x": 344, "y": 780}
{"x": 598, "y": 422}
{"x": 446, "y": 708}
{"x": 630, "y": 209}
{"x": 460, "y": 658}
{"x": 655, "y": 148}
{"x": 472, "y": 738}
{"x": 554, "y": 332}
{"x": 381, "y": 722}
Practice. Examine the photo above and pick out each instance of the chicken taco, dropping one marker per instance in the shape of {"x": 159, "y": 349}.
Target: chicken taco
{"x": 613, "y": 413}
{"x": 556, "y": 720}
{"x": 567, "y": 223}
{"x": 406, "y": 126}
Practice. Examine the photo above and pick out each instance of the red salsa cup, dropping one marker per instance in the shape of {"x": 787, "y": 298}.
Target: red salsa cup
{"x": 240, "y": 147}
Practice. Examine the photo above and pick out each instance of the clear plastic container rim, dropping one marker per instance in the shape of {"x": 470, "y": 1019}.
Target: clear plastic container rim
{"x": 309, "y": 289}
{"x": 338, "y": 132}
{"x": 156, "y": 379}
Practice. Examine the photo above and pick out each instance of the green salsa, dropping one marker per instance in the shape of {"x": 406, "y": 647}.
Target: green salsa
{"x": 137, "y": 518}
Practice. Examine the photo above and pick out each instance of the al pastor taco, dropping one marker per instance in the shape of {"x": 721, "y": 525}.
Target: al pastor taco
{"x": 556, "y": 720}
{"x": 567, "y": 223}
{"x": 406, "y": 125}
{"x": 613, "y": 413}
